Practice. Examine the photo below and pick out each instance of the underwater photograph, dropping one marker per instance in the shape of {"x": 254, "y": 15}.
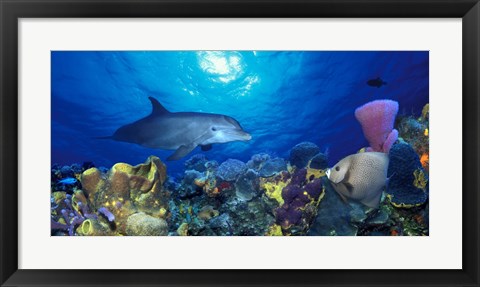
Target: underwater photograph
{"x": 239, "y": 143}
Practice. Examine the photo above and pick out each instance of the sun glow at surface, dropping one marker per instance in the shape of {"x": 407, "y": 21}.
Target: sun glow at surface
{"x": 226, "y": 66}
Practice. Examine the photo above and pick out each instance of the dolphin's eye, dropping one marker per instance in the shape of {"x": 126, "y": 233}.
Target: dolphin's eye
{"x": 337, "y": 168}
{"x": 214, "y": 129}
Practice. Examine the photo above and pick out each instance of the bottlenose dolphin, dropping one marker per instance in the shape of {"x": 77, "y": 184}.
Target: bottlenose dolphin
{"x": 181, "y": 131}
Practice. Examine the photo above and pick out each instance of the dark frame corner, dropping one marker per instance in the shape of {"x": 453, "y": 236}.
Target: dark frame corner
{"x": 12, "y": 10}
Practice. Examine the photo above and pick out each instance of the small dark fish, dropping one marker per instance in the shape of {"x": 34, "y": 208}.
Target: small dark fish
{"x": 68, "y": 181}
{"x": 376, "y": 82}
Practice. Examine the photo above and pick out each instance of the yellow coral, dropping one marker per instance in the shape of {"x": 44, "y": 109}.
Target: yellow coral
{"x": 274, "y": 230}
{"x": 425, "y": 112}
{"x": 320, "y": 197}
{"x": 91, "y": 181}
{"x": 58, "y": 196}
{"x": 86, "y": 228}
{"x": 162, "y": 212}
{"x": 316, "y": 173}
{"x": 182, "y": 230}
{"x": 274, "y": 190}
{"x": 92, "y": 227}
{"x": 200, "y": 182}
{"x": 128, "y": 190}
{"x": 420, "y": 180}
{"x": 78, "y": 197}
{"x": 400, "y": 205}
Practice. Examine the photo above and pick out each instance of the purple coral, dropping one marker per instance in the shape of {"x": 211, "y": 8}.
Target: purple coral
{"x": 297, "y": 196}
{"x": 70, "y": 215}
{"x": 377, "y": 118}
{"x": 72, "y": 218}
{"x": 291, "y": 192}
{"x": 288, "y": 217}
{"x": 105, "y": 212}
{"x": 314, "y": 188}
{"x": 299, "y": 177}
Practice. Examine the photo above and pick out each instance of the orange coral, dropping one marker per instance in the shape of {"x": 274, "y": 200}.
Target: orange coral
{"x": 424, "y": 160}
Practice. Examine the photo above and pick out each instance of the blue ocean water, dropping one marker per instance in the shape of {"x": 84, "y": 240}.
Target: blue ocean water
{"x": 281, "y": 98}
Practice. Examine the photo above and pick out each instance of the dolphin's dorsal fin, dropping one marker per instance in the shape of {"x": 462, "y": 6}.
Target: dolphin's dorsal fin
{"x": 157, "y": 108}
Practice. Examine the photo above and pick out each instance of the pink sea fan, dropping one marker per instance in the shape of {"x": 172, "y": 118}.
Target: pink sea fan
{"x": 377, "y": 118}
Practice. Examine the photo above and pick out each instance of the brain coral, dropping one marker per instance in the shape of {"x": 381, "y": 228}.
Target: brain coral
{"x": 302, "y": 153}
{"x": 405, "y": 172}
{"x": 231, "y": 169}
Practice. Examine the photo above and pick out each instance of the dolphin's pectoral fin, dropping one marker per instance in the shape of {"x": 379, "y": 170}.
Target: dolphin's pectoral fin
{"x": 182, "y": 151}
{"x": 206, "y": 147}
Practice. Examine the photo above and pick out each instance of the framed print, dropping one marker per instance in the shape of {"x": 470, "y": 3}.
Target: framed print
{"x": 229, "y": 143}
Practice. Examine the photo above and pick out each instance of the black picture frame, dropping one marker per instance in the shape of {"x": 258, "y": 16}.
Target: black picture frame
{"x": 11, "y": 11}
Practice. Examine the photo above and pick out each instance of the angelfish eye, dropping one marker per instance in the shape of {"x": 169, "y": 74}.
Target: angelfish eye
{"x": 337, "y": 168}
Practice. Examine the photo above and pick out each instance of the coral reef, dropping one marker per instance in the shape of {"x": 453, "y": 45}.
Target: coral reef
{"x": 274, "y": 230}
{"x": 247, "y": 218}
{"x": 408, "y": 183}
{"x": 272, "y": 167}
{"x": 267, "y": 196}
{"x": 257, "y": 160}
{"x": 66, "y": 178}
{"x": 377, "y": 119}
{"x": 302, "y": 153}
{"x": 273, "y": 186}
{"x": 334, "y": 216}
{"x": 301, "y": 198}
{"x": 141, "y": 224}
{"x": 196, "y": 162}
{"x": 231, "y": 169}
{"x": 296, "y": 197}
{"x": 425, "y": 113}
{"x": 182, "y": 230}
{"x": 319, "y": 161}
{"x": 208, "y": 184}
{"x": 415, "y": 131}
{"x": 247, "y": 185}
{"x": 106, "y": 202}
{"x": 207, "y": 212}
{"x": 93, "y": 227}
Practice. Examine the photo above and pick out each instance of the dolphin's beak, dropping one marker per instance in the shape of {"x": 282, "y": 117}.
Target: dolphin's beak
{"x": 238, "y": 135}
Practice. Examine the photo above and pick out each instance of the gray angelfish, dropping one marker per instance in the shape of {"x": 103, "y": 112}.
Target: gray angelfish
{"x": 361, "y": 177}
{"x": 182, "y": 131}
